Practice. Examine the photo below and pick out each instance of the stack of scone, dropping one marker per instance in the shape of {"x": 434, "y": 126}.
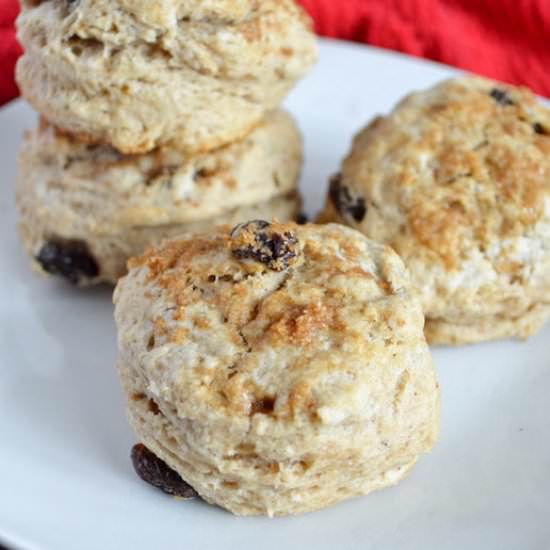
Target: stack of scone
{"x": 157, "y": 118}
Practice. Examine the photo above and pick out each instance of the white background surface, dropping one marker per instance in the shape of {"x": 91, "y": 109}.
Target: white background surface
{"x": 66, "y": 482}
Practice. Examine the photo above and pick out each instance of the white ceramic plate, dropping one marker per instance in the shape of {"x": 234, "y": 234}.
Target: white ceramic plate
{"x": 66, "y": 482}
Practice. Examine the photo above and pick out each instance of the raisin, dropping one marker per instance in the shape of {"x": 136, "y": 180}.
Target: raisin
{"x": 261, "y": 241}
{"x": 69, "y": 259}
{"x": 264, "y": 405}
{"x": 540, "y": 129}
{"x": 501, "y": 97}
{"x": 154, "y": 471}
{"x": 344, "y": 202}
{"x": 301, "y": 219}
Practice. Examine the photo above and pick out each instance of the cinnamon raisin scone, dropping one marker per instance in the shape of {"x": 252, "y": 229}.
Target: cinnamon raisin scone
{"x": 457, "y": 180}
{"x": 276, "y": 368}
{"x": 136, "y": 75}
{"x": 115, "y": 205}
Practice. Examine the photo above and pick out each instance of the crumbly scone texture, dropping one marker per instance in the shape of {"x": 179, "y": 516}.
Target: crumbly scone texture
{"x": 277, "y": 368}
{"x": 97, "y": 256}
{"x": 457, "y": 180}
{"x": 136, "y": 75}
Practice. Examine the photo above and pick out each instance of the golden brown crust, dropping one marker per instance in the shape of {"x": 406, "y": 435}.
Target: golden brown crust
{"x": 488, "y": 172}
{"x": 457, "y": 180}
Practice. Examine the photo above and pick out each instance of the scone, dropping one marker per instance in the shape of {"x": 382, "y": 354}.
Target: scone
{"x": 75, "y": 198}
{"x": 276, "y": 368}
{"x": 139, "y": 74}
{"x": 457, "y": 180}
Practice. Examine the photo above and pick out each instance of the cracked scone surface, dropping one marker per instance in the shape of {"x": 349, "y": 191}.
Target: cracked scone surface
{"x": 277, "y": 368}
{"x": 119, "y": 204}
{"x": 135, "y": 75}
{"x": 457, "y": 180}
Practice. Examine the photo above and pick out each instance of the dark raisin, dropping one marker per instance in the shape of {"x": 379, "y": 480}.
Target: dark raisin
{"x": 69, "y": 259}
{"x": 501, "y": 97}
{"x": 301, "y": 219}
{"x": 344, "y": 202}
{"x": 263, "y": 242}
{"x": 540, "y": 129}
{"x": 199, "y": 174}
{"x": 154, "y": 471}
{"x": 264, "y": 405}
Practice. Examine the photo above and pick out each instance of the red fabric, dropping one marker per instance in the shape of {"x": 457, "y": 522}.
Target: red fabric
{"x": 9, "y": 50}
{"x": 503, "y": 39}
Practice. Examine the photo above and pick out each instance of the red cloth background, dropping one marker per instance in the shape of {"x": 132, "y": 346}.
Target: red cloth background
{"x": 503, "y": 39}
{"x": 9, "y": 49}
